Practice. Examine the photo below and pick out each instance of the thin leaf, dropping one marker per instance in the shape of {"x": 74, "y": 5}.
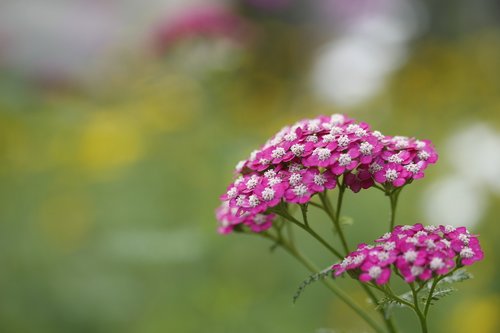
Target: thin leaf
{"x": 388, "y": 304}
{"x": 459, "y": 275}
{"x": 313, "y": 278}
{"x": 438, "y": 294}
{"x": 346, "y": 220}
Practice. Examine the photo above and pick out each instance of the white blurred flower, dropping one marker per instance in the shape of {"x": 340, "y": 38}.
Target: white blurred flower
{"x": 455, "y": 201}
{"x": 475, "y": 153}
{"x": 462, "y": 198}
{"x": 355, "y": 66}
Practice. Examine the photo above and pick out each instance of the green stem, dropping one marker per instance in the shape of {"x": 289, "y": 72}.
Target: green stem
{"x": 292, "y": 250}
{"x": 387, "y": 321}
{"x": 309, "y": 230}
{"x": 388, "y": 291}
{"x": 335, "y": 216}
{"x": 303, "y": 209}
{"x": 420, "y": 315}
{"x": 316, "y": 205}
{"x": 429, "y": 298}
{"x": 393, "y": 197}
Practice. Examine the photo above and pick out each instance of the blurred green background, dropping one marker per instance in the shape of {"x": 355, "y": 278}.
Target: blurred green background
{"x": 121, "y": 123}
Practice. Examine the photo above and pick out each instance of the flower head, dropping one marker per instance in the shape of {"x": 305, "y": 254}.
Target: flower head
{"x": 311, "y": 155}
{"x": 414, "y": 252}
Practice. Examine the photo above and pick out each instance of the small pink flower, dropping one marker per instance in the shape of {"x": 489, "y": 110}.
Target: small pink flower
{"x": 345, "y": 162}
{"x": 358, "y": 179}
{"x": 391, "y": 173}
{"x": 368, "y": 149}
{"x": 317, "y": 181}
{"x": 372, "y": 271}
{"x": 259, "y": 222}
{"x": 228, "y": 218}
{"x": 298, "y": 193}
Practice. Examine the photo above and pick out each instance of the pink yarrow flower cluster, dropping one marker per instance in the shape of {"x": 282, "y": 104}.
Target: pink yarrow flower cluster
{"x": 309, "y": 157}
{"x": 414, "y": 252}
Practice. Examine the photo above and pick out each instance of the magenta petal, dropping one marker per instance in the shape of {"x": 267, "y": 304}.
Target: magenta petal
{"x": 384, "y": 276}
{"x": 399, "y": 182}
{"x": 365, "y": 277}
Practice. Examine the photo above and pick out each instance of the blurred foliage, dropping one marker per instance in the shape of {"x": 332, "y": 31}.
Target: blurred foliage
{"x": 107, "y": 195}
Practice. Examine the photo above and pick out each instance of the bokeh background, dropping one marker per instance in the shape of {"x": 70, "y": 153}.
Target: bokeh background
{"x": 121, "y": 122}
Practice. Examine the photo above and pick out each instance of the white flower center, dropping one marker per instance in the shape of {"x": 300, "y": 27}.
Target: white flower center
{"x": 312, "y": 138}
{"x": 346, "y": 262}
{"x": 421, "y": 233}
{"x": 423, "y": 155}
{"x": 410, "y": 255}
{"x": 275, "y": 180}
{"x": 344, "y": 159}
{"x": 337, "y": 119}
{"x": 328, "y": 138}
{"x": 240, "y": 200}
{"x": 297, "y": 149}
{"x": 467, "y": 253}
{"x": 264, "y": 161}
{"x": 430, "y": 244}
{"x": 336, "y": 130}
{"x": 449, "y": 228}
{"x": 401, "y": 142}
{"x": 413, "y": 168}
{"x": 417, "y": 270}
{"x": 431, "y": 228}
{"x": 389, "y": 246}
{"x": 323, "y": 153}
{"x": 259, "y": 219}
{"x": 278, "y": 152}
{"x": 366, "y": 148}
{"x": 313, "y": 125}
{"x": 239, "y": 180}
{"x": 232, "y": 193}
{"x": 383, "y": 256}
{"x": 464, "y": 238}
{"x": 436, "y": 263}
{"x": 300, "y": 190}
{"x": 270, "y": 173}
{"x": 360, "y": 132}
{"x": 420, "y": 144}
{"x": 295, "y": 179}
{"x": 374, "y": 167}
{"x": 295, "y": 167}
{"x": 252, "y": 182}
{"x": 352, "y": 128}
{"x": 356, "y": 129}
{"x": 378, "y": 135}
{"x": 412, "y": 240}
{"x": 319, "y": 180}
{"x": 391, "y": 175}
{"x": 268, "y": 194}
{"x": 358, "y": 259}
{"x": 387, "y": 235}
{"x": 343, "y": 141}
{"x": 374, "y": 272}
{"x": 253, "y": 200}
{"x": 291, "y": 136}
{"x": 395, "y": 158}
